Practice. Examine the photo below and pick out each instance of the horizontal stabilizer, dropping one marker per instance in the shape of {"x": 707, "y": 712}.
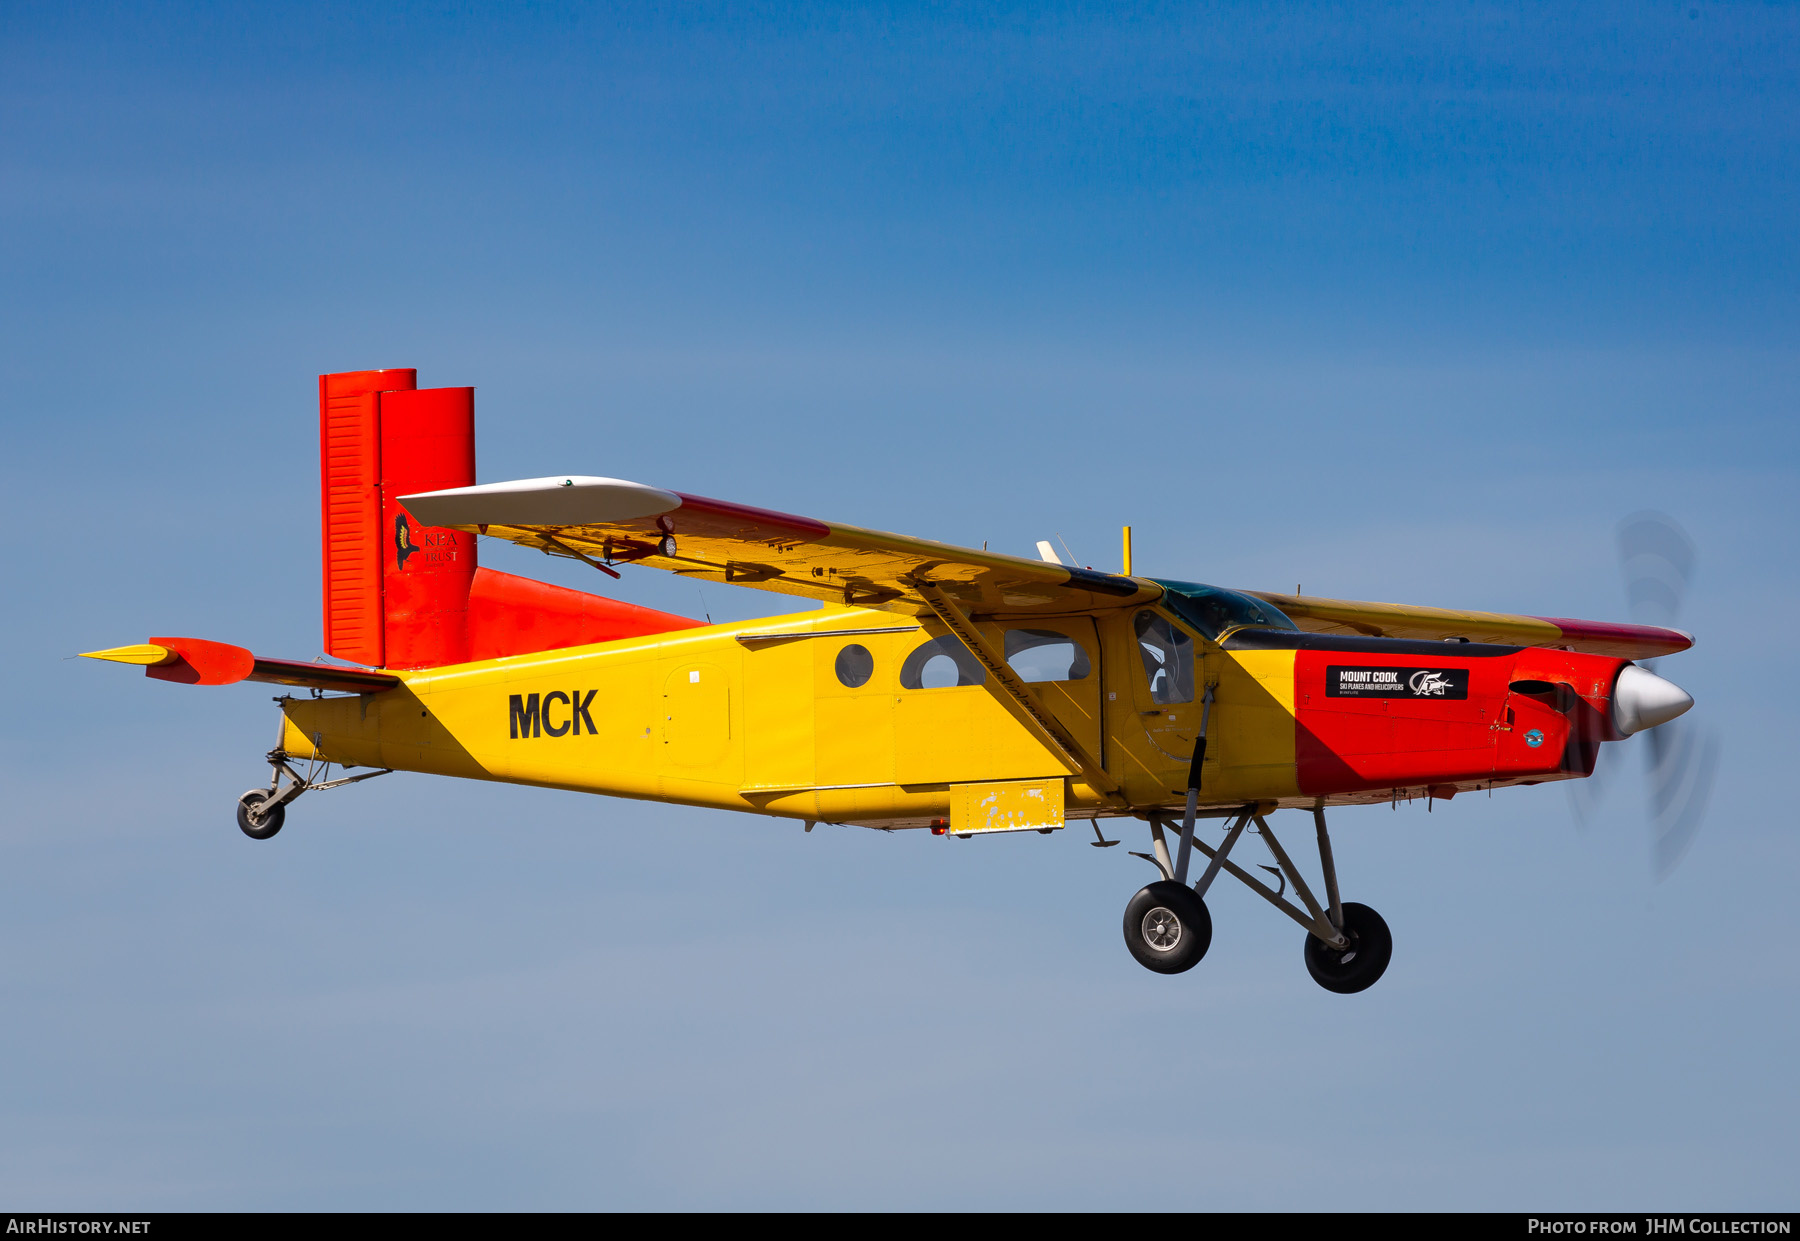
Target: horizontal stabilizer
{"x": 195, "y": 661}
{"x": 321, "y": 676}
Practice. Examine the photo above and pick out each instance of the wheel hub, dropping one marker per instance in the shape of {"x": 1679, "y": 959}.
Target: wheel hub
{"x": 1162, "y": 929}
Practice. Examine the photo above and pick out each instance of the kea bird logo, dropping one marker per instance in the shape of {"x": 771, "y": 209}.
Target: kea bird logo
{"x": 403, "y": 544}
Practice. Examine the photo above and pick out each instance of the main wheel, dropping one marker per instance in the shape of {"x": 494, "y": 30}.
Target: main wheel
{"x": 257, "y": 823}
{"x": 1167, "y": 927}
{"x": 1358, "y": 967}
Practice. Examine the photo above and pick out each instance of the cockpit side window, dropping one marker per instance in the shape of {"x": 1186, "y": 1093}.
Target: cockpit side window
{"x": 1168, "y": 656}
{"x": 1045, "y": 655}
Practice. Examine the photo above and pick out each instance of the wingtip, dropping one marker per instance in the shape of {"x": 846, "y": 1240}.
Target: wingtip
{"x": 564, "y": 500}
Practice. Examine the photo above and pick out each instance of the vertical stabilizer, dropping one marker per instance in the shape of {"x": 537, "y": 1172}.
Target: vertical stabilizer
{"x": 350, "y": 509}
{"x": 427, "y": 444}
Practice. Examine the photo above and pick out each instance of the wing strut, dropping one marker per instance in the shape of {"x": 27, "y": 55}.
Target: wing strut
{"x": 1016, "y": 696}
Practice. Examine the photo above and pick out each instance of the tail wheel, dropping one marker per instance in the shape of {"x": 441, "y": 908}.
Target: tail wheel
{"x": 1358, "y": 966}
{"x": 256, "y": 822}
{"x": 1167, "y": 927}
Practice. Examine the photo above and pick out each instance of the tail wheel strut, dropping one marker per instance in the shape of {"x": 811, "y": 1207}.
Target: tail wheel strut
{"x": 261, "y": 812}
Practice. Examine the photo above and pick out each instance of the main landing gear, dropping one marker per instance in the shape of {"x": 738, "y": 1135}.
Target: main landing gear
{"x": 1168, "y": 928}
{"x": 261, "y": 812}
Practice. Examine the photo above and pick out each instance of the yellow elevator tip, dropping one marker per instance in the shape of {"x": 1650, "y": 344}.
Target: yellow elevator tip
{"x": 145, "y": 653}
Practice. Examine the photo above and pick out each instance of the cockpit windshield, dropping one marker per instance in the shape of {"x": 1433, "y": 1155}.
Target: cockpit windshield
{"x": 1214, "y": 611}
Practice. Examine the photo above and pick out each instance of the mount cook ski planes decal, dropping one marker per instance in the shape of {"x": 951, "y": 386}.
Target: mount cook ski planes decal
{"x": 930, "y": 686}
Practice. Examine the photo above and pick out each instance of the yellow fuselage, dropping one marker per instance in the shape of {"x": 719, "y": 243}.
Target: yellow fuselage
{"x": 758, "y": 716}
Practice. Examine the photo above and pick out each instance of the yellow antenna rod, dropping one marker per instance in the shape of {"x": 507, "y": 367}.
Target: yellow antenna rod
{"x": 1125, "y": 549}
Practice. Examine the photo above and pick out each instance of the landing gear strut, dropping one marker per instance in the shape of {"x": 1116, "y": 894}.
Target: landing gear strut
{"x": 1168, "y": 928}
{"x": 261, "y": 812}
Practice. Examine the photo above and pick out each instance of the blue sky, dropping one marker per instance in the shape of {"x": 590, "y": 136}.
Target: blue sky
{"x": 1392, "y": 302}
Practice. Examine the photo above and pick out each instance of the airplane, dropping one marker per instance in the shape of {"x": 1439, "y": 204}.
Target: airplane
{"x": 929, "y": 686}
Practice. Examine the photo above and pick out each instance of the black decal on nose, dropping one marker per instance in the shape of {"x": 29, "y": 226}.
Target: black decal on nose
{"x": 523, "y": 715}
{"x": 1350, "y": 681}
{"x": 580, "y": 715}
{"x": 554, "y": 730}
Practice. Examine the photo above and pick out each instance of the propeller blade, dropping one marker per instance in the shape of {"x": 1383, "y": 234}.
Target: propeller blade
{"x": 1586, "y": 795}
{"x": 1658, "y": 560}
{"x": 1683, "y": 761}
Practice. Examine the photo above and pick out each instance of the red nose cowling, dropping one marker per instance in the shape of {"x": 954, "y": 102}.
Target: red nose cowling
{"x": 1488, "y": 714}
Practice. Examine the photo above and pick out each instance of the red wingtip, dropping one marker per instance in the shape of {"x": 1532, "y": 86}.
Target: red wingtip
{"x": 1621, "y": 641}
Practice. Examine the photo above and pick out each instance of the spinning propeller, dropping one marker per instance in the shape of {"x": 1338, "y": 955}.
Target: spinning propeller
{"x": 1657, "y": 558}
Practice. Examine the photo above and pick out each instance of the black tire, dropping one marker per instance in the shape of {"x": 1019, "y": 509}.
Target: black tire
{"x": 1167, "y": 927}
{"x": 1361, "y": 965}
{"x": 259, "y": 826}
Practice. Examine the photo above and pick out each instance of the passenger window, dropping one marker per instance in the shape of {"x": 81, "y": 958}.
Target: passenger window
{"x": 939, "y": 664}
{"x": 855, "y": 666}
{"x": 1168, "y": 658}
{"x": 1045, "y": 655}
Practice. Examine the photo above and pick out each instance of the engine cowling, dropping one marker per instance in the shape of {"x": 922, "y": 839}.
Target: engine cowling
{"x": 1377, "y": 713}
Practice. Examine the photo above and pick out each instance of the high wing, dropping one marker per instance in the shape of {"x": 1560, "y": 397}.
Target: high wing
{"x": 608, "y": 521}
{"x": 1399, "y": 620}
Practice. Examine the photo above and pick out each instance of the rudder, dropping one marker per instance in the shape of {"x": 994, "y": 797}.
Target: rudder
{"x": 350, "y": 510}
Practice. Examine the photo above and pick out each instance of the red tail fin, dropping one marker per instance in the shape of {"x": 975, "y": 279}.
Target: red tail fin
{"x": 427, "y": 444}
{"x": 397, "y": 594}
{"x": 350, "y": 517}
